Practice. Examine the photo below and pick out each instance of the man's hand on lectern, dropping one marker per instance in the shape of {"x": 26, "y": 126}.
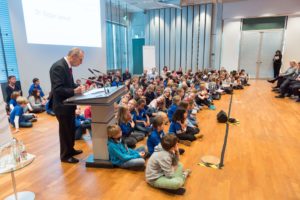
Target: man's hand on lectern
{"x": 78, "y": 90}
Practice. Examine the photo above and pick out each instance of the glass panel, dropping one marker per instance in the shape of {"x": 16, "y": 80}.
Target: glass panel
{"x": 117, "y": 55}
{"x": 7, "y": 47}
{"x": 263, "y": 23}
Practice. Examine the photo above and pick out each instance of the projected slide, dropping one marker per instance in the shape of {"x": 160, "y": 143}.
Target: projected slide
{"x": 63, "y": 22}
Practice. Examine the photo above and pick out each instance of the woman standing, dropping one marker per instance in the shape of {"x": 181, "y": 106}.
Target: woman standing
{"x": 277, "y": 63}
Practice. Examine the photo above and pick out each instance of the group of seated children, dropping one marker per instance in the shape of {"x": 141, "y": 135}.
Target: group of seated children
{"x": 151, "y": 102}
{"x": 143, "y": 112}
{"x": 22, "y": 111}
{"x": 163, "y": 168}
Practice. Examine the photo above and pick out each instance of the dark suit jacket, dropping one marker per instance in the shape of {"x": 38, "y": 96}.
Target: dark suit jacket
{"x": 62, "y": 87}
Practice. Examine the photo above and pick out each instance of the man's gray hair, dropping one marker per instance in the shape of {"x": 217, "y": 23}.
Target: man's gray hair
{"x": 75, "y": 52}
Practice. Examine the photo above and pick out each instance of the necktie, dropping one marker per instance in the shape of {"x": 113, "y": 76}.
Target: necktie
{"x": 70, "y": 71}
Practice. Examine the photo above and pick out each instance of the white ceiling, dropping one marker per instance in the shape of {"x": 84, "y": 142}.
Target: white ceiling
{"x": 141, "y": 5}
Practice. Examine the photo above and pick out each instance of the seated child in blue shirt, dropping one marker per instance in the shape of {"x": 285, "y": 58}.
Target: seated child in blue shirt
{"x": 116, "y": 82}
{"x": 157, "y": 133}
{"x": 119, "y": 154}
{"x": 17, "y": 118}
{"x": 81, "y": 124}
{"x": 49, "y": 105}
{"x": 13, "y": 100}
{"x": 36, "y": 85}
{"x": 129, "y": 136}
{"x": 155, "y": 137}
{"x": 175, "y": 102}
{"x": 179, "y": 127}
{"x": 142, "y": 121}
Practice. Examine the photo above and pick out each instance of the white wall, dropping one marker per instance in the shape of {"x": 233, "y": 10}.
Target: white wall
{"x": 234, "y": 11}
{"x": 260, "y": 8}
{"x": 35, "y": 60}
{"x": 292, "y": 41}
{"x": 231, "y": 44}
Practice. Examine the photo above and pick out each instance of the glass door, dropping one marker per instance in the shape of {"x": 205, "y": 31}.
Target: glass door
{"x": 271, "y": 42}
{"x": 249, "y": 52}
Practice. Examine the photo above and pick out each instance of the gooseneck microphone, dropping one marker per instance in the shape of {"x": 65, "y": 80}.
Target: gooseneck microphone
{"x": 95, "y": 70}
{"x": 92, "y": 72}
{"x": 105, "y": 89}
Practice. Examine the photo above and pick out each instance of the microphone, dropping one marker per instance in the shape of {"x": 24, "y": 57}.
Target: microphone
{"x": 105, "y": 89}
{"x": 92, "y": 71}
{"x": 97, "y": 71}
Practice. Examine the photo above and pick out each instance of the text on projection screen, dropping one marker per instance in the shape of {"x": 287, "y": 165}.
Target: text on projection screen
{"x": 63, "y": 22}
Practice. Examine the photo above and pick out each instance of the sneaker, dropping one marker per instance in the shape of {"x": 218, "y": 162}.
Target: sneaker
{"x": 212, "y": 107}
{"x": 199, "y": 136}
{"x": 179, "y": 191}
{"x": 279, "y": 96}
{"x": 33, "y": 120}
{"x": 185, "y": 142}
{"x": 187, "y": 172}
{"x": 181, "y": 151}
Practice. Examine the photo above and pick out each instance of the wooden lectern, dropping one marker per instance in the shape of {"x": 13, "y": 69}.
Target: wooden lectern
{"x": 102, "y": 107}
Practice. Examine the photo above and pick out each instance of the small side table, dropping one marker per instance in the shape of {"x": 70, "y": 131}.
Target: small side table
{"x": 10, "y": 168}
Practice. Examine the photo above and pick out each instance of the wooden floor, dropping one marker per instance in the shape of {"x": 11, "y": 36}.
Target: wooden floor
{"x": 262, "y": 157}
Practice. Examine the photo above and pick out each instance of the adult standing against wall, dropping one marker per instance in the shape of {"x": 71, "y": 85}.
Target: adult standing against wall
{"x": 277, "y": 62}
{"x": 12, "y": 87}
{"x": 63, "y": 87}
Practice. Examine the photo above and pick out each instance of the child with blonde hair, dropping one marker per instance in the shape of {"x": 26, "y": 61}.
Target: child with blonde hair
{"x": 119, "y": 154}
{"x": 17, "y": 118}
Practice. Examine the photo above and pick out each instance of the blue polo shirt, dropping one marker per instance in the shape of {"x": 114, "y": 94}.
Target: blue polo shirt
{"x": 78, "y": 120}
{"x": 17, "y": 111}
{"x": 13, "y": 102}
{"x": 175, "y": 128}
{"x": 140, "y": 115}
{"x": 171, "y": 111}
{"x": 38, "y": 87}
{"x": 154, "y": 139}
{"x": 126, "y": 129}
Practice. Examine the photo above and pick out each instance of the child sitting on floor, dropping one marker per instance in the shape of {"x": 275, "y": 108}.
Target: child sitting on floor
{"x": 203, "y": 98}
{"x": 81, "y": 124}
{"x": 179, "y": 127}
{"x": 155, "y": 137}
{"x": 141, "y": 119}
{"x": 13, "y": 100}
{"x": 129, "y": 136}
{"x": 163, "y": 168}
{"x": 175, "y": 102}
{"x": 49, "y": 105}
{"x": 157, "y": 133}
{"x": 119, "y": 154}
{"x": 17, "y": 117}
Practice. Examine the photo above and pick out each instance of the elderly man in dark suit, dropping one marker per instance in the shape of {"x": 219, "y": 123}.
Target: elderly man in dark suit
{"x": 63, "y": 87}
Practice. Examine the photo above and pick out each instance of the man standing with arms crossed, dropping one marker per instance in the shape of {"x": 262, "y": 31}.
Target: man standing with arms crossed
{"x": 63, "y": 87}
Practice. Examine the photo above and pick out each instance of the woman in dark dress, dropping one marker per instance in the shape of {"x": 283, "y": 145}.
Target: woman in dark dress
{"x": 277, "y": 63}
